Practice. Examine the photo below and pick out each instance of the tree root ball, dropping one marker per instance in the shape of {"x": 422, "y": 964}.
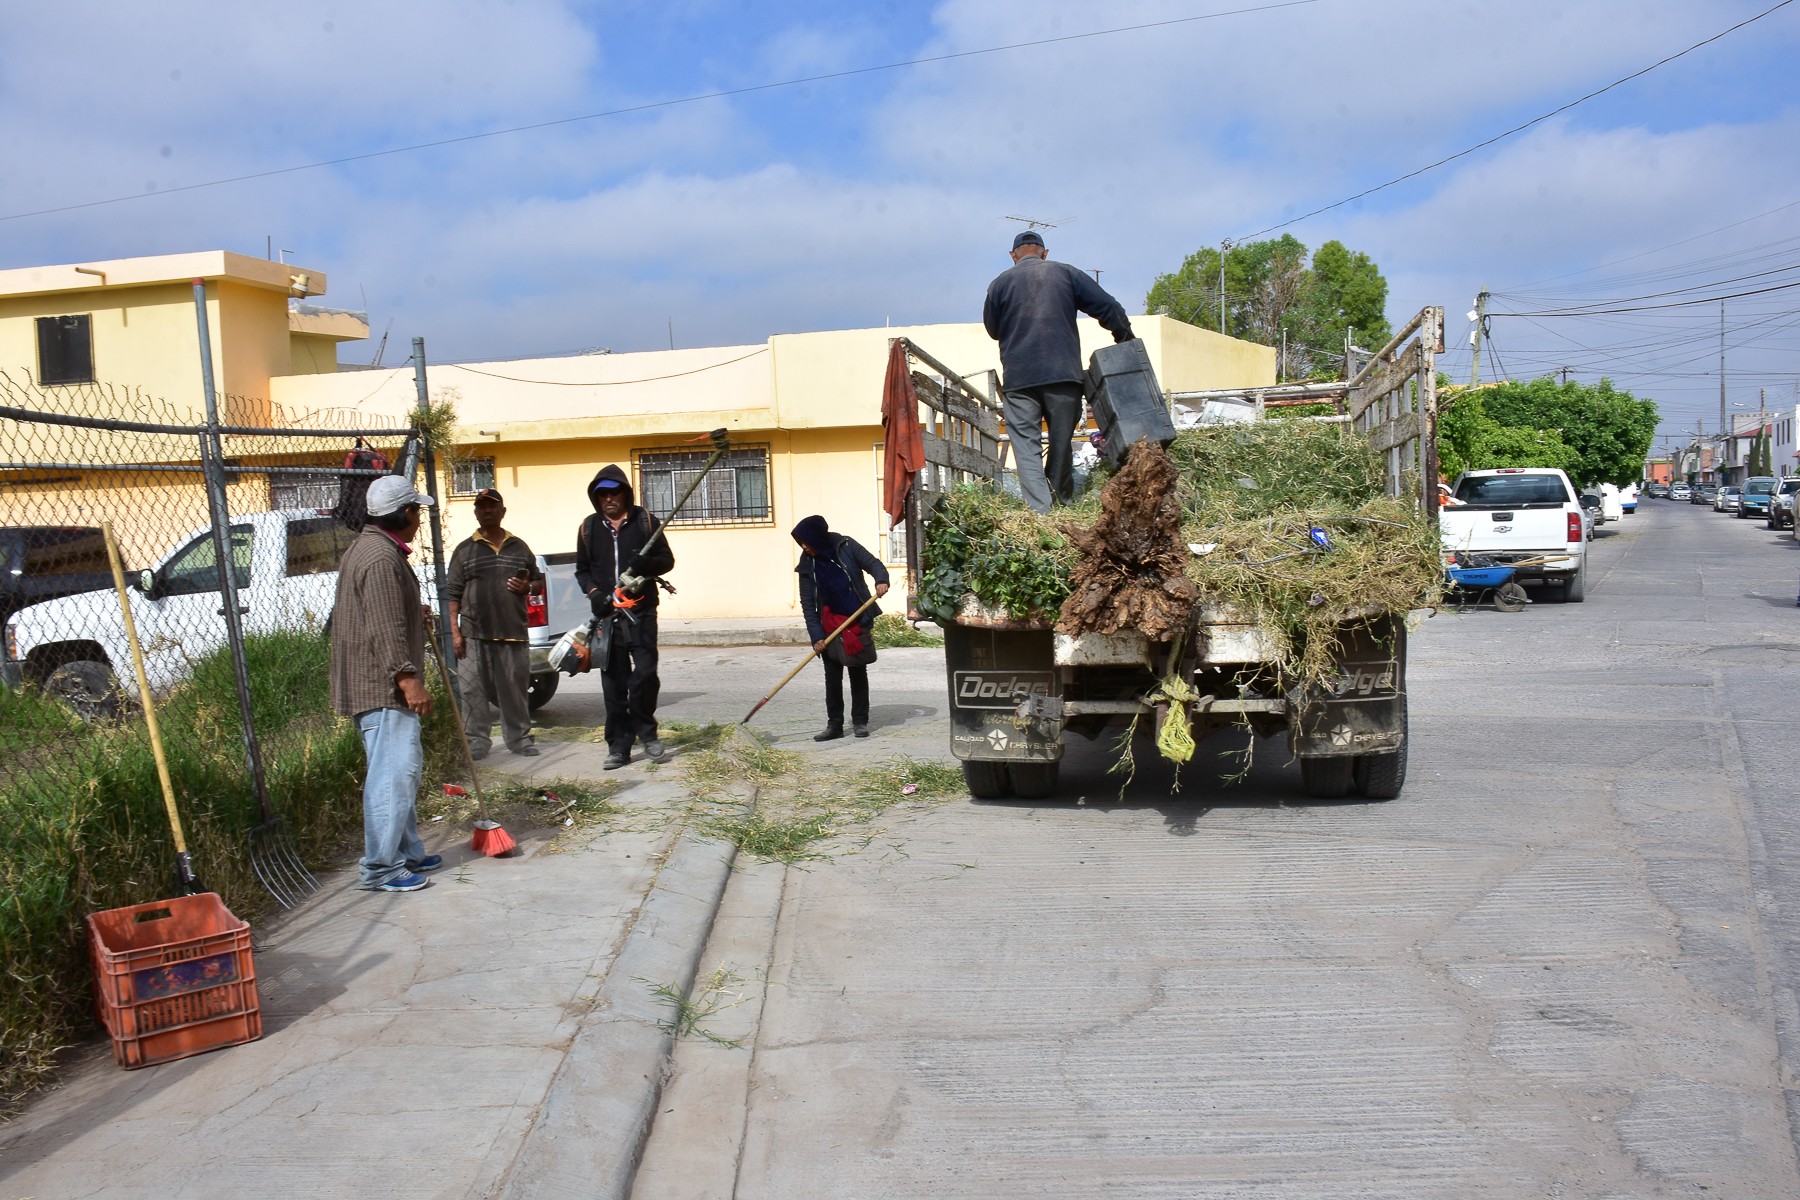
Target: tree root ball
{"x": 1130, "y": 574}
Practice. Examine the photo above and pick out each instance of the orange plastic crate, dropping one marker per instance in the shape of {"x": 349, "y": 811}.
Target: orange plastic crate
{"x": 173, "y": 978}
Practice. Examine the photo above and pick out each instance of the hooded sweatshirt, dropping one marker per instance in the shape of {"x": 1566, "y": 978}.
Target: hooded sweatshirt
{"x": 832, "y": 576}
{"x": 601, "y": 551}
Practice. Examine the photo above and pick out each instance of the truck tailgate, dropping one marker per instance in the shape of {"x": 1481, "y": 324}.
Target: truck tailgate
{"x": 1514, "y": 530}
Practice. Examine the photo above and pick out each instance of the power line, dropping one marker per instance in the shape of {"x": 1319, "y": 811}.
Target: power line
{"x": 1515, "y": 129}
{"x": 652, "y": 105}
{"x": 1780, "y": 287}
{"x": 1659, "y": 249}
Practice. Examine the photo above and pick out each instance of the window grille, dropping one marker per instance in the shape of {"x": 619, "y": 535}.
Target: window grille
{"x": 471, "y": 475}
{"x": 735, "y": 492}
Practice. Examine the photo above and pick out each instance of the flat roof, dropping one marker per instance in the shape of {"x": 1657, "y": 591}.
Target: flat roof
{"x": 106, "y": 274}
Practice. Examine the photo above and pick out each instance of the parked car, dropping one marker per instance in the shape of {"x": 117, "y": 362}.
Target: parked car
{"x": 1725, "y": 499}
{"x": 1596, "y": 515}
{"x": 1781, "y": 504}
{"x": 1524, "y": 515}
{"x": 1754, "y": 499}
{"x": 45, "y": 562}
{"x": 1680, "y": 491}
{"x": 1704, "y": 493}
{"x": 1657, "y": 491}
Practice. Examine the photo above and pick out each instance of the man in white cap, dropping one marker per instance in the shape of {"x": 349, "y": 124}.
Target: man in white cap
{"x": 378, "y": 681}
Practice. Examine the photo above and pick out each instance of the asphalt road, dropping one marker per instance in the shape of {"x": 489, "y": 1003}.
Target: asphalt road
{"x": 1561, "y": 964}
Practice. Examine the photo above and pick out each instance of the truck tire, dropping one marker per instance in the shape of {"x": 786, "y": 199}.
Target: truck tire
{"x": 88, "y": 688}
{"x": 986, "y": 780}
{"x": 541, "y": 689}
{"x": 1033, "y": 780}
{"x": 1381, "y": 776}
{"x": 1575, "y": 586}
{"x": 1326, "y": 778}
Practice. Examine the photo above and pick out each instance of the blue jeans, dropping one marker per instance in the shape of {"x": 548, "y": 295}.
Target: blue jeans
{"x": 396, "y": 757}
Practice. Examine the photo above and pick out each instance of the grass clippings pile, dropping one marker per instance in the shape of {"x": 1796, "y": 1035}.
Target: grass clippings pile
{"x": 1254, "y": 494}
{"x": 777, "y": 804}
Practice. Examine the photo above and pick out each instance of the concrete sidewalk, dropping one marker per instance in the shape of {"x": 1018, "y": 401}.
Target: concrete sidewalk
{"x": 493, "y": 1035}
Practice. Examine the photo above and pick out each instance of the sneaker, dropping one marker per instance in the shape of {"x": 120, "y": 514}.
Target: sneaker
{"x": 862, "y": 731}
{"x": 830, "y": 733}
{"x": 615, "y": 760}
{"x": 655, "y": 749}
{"x": 406, "y": 881}
{"x": 527, "y": 751}
{"x": 426, "y": 865}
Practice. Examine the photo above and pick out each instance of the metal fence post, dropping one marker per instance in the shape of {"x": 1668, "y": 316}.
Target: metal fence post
{"x": 212, "y": 461}
{"x": 437, "y": 526}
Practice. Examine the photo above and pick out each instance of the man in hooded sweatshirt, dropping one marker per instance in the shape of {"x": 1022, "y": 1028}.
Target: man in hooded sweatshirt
{"x": 610, "y": 547}
{"x": 831, "y": 570}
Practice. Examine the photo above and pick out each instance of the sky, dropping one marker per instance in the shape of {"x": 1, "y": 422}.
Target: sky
{"x": 626, "y": 175}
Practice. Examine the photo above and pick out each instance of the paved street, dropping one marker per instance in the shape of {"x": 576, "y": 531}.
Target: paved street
{"x": 1561, "y": 964}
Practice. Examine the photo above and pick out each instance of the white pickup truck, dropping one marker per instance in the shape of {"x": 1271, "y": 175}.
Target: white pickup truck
{"x": 1525, "y": 515}
{"x": 285, "y": 565}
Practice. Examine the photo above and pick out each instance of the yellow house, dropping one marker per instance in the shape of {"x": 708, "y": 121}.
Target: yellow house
{"x": 803, "y": 412}
{"x": 120, "y": 338}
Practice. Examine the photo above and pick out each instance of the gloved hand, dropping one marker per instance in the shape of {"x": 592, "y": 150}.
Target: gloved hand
{"x": 601, "y": 601}
{"x": 1124, "y": 337}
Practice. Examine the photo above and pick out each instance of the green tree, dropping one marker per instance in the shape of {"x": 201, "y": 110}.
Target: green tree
{"x": 1610, "y": 430}
{"x": 1761, "y": 460}
{"x": 1471, "y": 440}
{"x": 1271, "y": 288}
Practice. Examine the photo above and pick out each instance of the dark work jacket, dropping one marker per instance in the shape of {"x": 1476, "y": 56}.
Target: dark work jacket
{"x": 855, "y": 560}
{"x": 598, "y": 566}
{"x": 1030, "y": 311}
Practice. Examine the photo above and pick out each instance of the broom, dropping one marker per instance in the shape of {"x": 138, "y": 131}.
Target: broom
{"x": 490, "y": 839}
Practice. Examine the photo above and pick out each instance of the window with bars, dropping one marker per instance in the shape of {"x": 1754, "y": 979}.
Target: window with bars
{"x": 65, "y": 349}
{"x": 735, "y": 492}
{"x": 471, "y": 475}
{"x": 893, "y": 541}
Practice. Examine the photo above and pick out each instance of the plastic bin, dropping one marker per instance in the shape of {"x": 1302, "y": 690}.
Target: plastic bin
{"x": 1128, "y": 405}
{"x": 173, "y": 978}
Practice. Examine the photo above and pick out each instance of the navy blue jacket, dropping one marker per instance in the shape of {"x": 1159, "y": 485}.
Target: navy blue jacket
{"x": 855, "y": 560}
{"x": 1030, "y": 311}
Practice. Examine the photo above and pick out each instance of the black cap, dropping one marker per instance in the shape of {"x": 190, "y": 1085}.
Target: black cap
{"x": 1028, "y": 238}
{"x": 489, "y": 494}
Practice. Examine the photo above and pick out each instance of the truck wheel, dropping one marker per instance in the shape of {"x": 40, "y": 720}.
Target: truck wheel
{"x": 542, "y": 688}
{"x": 88, "y": 688}
{"x": 1575, "y": 586}
{"x": 1326, "y": 778}
{"x": 1033, "y": 780}
{"x": 986, "y": 780}
{"x": 1381, "y": 776}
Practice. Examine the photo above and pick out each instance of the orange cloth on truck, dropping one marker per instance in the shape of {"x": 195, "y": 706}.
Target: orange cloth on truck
{"x": 903, "y": 453}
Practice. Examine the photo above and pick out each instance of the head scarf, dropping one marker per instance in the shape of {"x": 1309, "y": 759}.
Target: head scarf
{"x": 833, "y": 583}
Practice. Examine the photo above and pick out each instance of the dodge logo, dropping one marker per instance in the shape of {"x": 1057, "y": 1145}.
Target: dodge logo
{"x": 998, "y": 689}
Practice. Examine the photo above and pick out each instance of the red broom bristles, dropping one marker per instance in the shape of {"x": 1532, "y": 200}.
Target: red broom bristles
{"x": 491, "y": 840}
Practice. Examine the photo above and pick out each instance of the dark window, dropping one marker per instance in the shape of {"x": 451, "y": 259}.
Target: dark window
{"x": 66, "y": 552}
{"x": 315, "y": 545}
{"x": 195, "y": 570}
{"x": 471, "y": 475}
{"x": 65, "y": 349}
{"x": 735, "y": 492}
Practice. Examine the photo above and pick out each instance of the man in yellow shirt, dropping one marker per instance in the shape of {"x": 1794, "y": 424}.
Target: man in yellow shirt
{"x": 491, "y": 572}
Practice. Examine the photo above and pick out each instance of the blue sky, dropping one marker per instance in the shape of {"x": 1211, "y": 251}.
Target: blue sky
{"x": 883, "y": 196}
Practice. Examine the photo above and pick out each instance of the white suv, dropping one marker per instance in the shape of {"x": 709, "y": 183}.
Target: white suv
{"x": 1781, "y": 504}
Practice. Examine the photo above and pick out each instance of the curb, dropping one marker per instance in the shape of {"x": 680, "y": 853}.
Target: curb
{"x": 588, "y": 1134}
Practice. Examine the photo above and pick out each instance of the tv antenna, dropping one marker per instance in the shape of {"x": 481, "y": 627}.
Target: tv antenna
{"x": 1034, "y": 223}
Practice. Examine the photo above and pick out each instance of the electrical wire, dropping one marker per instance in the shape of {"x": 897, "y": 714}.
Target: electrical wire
{"x": 1482, "y": 145}
{"x": 653, "y": 105}
{"x": 607, "y": 382}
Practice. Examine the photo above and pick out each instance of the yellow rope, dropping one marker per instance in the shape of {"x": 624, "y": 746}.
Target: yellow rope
{"x": 1175, "y": 740}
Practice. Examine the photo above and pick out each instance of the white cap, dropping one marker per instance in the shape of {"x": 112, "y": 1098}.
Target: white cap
{"x": 391, "y": 493}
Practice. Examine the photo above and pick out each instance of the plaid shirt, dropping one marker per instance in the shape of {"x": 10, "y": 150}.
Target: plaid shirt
{"x": 378, "y": 627}
{"x": 479, "y": 570}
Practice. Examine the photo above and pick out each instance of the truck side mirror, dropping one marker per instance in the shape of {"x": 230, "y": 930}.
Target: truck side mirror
{"x": 146, "y": 582}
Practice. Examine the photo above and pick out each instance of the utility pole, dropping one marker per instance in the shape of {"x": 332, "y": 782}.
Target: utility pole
{"x": 1223, "y": 247}
{"x": 1722, "y": 429}
{"x": 1565, "y": 376}
{"x": 1479, "y": 316}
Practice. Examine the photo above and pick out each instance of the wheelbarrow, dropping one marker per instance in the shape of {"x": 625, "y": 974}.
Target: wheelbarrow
{"x": 1477, "y": 580}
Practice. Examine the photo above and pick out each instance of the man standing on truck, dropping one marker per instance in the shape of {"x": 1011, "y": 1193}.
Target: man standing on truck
{"x": 1030, "y": 311}
{"x": 378, "y": 681}
{"x": 491, "y": 572}
{"x": 620, "y": 578}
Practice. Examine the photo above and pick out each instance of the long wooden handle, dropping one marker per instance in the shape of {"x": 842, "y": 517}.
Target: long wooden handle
{"x": 143, "y": 682}
{"x": 462, "y": 734}
{"x": 831, "y": 637}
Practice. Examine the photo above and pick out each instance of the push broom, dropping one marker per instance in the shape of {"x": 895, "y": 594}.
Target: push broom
{"x": 490, "y": 838}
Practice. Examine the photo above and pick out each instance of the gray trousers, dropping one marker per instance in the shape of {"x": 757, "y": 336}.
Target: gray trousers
{"x": 1026, "y": 410}
{"x": 495, "y": 677}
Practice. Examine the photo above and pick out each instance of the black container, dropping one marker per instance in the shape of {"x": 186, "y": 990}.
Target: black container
{"x": 1127, "y": 403}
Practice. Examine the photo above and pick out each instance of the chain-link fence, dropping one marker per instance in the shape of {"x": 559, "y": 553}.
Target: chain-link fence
{"x": 240, "y": 688}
